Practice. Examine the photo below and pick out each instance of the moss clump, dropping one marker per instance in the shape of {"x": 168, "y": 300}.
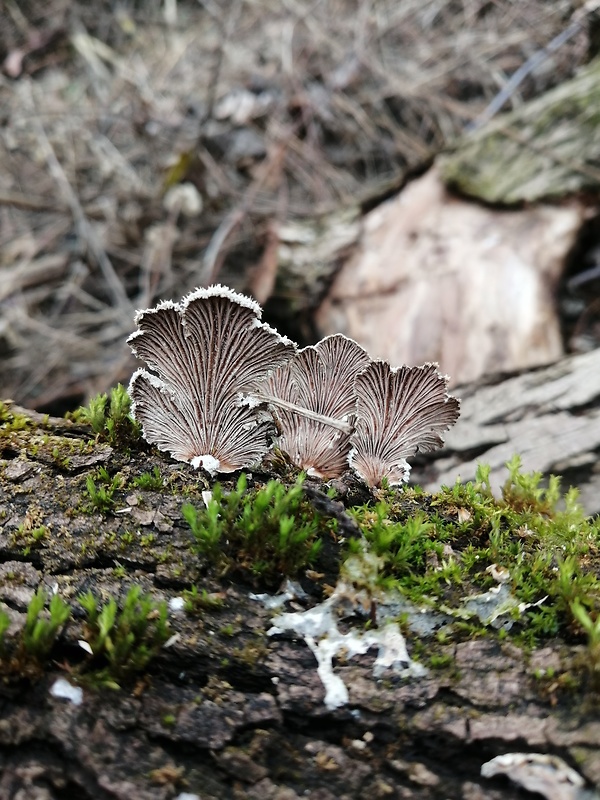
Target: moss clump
{"x": 532, "y": 545}
{"x": 101, "y": 488}
{"x": 197, "y": 601}
{"x": 30, "y": 537}
{"x": 14, "y": 429}
{"x": 11, "y": 422}
{"x": 121, "y": 643}
{"x": 110, "y": 418}
{"x": 590, "y": 622}
{"x": 149, "y": 481}
{"x": 262, "y": 533}
{"x": 24, "y": 656}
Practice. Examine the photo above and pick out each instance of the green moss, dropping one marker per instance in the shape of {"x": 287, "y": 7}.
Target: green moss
{"x": 101, "y": 488}
{"x": 31, "y": 533}
{"x": 31, "y": 538}
{"x": 251, "y": 653}
{"x": 440, "y": 660}
{"x": 122, "y": 642}
{"x": 39, "y": 634}
{"x": 590, "y": 622}
{"x": 436, "y": 550}
{"x": 262, "y": 533}
{"x": 11, "y": 422}
{"x": 464, "y": 542}
{"x": 24, "y": 656}
{"x": 110, "y": 418}
{"x": 198, "y": 601}
{"x": 149, "y": 480}
{"x": 127, "y": 538}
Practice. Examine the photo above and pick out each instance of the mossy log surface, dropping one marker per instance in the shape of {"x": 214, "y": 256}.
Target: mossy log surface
{"x": 546, "y": 148}
{"x": 227, "y": 711}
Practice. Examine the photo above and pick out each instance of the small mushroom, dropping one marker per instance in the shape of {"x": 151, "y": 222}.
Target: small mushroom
{"x": 314, "y": 403}
{"x": 206, "y": 356}
{"x": 398, "y": 411}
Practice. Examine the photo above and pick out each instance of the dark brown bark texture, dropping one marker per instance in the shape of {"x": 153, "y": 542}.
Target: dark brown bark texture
{"x": 228, "y": 711}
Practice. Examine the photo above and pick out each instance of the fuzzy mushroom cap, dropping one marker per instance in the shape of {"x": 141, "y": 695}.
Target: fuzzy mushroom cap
{"x": 319, "y": 379}
{"x": 217, "y": 377}
{"x": 398, "y": 411}
{"x": 204, "y": 355}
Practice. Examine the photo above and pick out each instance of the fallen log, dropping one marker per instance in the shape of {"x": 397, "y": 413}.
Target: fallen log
{"x": 237, "y": 701}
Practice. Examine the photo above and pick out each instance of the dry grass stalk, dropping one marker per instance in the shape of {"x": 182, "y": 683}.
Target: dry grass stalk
{"x": 347, "y": 94}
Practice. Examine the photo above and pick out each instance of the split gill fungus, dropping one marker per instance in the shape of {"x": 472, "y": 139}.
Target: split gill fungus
{"x": 221, "y": 388}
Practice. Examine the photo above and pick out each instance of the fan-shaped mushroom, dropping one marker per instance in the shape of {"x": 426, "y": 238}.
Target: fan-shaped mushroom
{"x": 314, "y": 402}
{"x": 206, "y": 356}
{"x": 398, "y": 411}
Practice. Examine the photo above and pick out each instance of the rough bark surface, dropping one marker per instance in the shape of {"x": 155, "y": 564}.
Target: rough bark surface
{"x": 227, "y": 711}
{"x": 551, "y": 417}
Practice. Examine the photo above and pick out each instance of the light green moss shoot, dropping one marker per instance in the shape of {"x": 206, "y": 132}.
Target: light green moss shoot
{"x": 101, "y": 489}
{"x": 464, "y": 541}
{"x": 110, "y": 418}
{"x": 122, "y": 642}
{"x": 265, "y": 533}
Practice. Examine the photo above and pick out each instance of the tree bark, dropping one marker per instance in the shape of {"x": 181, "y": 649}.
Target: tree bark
{"x": 549, "y": 416}
{"x": 227, "y": 710}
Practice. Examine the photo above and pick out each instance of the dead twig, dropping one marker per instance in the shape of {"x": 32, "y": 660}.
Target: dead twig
{"x": 226, "y": 29}
{"x": 213, "y": 256}
{"x": 28, "y": 203}
{"x": 532, "y": 64}
{"x": 85, "y": 230}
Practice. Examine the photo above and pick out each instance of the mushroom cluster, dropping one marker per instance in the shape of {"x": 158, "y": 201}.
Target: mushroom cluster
{"x": 220, "y": 385}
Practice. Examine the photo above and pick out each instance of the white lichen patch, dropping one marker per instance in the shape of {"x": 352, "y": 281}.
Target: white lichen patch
{"x": 318, "y": 626}
{"x": 497, "y": 607}
{"x": 543, "y": 774}
{"x": 291, "y": 590}
{"x": 64, "y": 690}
